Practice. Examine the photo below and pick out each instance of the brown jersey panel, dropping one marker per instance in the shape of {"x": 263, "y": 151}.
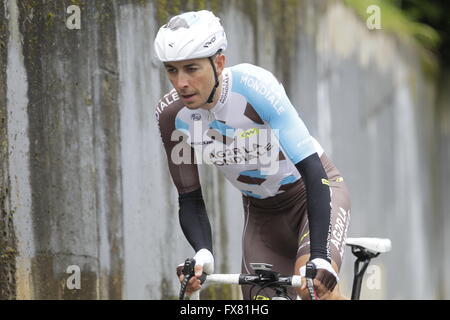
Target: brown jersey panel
{"x": 180, "y": 155}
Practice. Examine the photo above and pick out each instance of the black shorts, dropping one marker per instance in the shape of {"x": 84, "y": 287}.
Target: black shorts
{"x": 276, "y": 229}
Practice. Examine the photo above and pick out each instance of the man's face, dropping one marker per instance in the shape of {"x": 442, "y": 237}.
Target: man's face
{"x": 193, "y": 79}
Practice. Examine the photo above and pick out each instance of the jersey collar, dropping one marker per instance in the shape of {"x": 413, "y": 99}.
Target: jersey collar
{"x": 225, "y": 93}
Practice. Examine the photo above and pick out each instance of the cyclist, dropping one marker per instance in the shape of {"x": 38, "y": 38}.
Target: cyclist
{"x": 240, "y": 119}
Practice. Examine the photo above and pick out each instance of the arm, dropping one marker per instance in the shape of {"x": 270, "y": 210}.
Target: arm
{"x": 184, "y": 172}
{"x": 318, "y": 203}
{"x": 196, "y": 228}
{"x": 194, "y": 220}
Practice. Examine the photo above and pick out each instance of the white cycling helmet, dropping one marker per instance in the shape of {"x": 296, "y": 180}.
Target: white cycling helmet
{"x": 190, "y": 35}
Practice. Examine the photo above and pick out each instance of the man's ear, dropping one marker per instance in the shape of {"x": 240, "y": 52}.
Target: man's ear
{"x": 220, "y": 63}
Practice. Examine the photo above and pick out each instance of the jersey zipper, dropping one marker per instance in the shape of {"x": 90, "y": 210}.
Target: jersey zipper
{"x": 211, "y": 116}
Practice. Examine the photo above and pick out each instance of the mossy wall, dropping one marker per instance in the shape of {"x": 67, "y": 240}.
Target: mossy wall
{"x": 7, "y": 235}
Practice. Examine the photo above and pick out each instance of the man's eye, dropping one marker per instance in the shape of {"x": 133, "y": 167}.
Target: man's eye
{"x": 171, "y": 70}
{"x": 192, "y": 69}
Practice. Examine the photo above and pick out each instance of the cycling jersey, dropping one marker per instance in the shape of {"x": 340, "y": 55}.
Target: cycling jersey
{"x": 277, "y": 229}
{"x": 253, "y": 135}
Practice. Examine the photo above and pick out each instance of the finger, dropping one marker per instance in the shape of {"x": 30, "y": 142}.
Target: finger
{"x": 325, "y": 296}
{"x": 321, "y": 290}
{"x": 198, "y": 270}
{"x": 197, "y": 284}
{"x": 179, "y": 270}
{"x": 194, "y": 283}
{"x": 304, "y": 294}
{"x": 303, "y": 286}
{"x": 193, "y": 287}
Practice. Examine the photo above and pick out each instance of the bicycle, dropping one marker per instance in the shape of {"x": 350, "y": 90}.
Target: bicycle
{"x": 365, "y": 249}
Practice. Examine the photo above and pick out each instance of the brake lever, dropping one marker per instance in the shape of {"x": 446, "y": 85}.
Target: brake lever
{"x": 188, "y": 268}
{"x": 310, "y": 274}
{"x": 188, "y": 272}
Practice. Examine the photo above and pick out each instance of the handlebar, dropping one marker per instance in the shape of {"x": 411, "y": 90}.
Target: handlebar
{"x": 262, "y": 278}
{"x": 252, "y": 279}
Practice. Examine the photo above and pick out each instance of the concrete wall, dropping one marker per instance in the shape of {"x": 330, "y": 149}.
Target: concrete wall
{"x": 442, "y": 172}
{"x": 371, "y": 108}
{"x": 84, "y": 179}
{"x": 64, "y": 149}
{"x": 7, "y": 235}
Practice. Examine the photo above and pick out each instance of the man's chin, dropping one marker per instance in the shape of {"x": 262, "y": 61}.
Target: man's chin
{"x": 192, "y": 106}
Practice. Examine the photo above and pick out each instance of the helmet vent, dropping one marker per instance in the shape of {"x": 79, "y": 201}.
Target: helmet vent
{"x": 178, "y": 22}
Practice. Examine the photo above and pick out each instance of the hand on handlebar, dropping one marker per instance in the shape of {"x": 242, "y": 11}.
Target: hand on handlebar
{"x": 194, "y": 282}
{"x": 319, "y": 281}
{"x": 320, "y": 290}
{"x": 204, "y": 263}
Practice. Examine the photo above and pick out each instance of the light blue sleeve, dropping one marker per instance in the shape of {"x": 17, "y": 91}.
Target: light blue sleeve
{"x": 268, "y": 97}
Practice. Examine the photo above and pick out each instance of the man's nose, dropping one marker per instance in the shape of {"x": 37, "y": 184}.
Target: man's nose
{"x": 182, "y": 80}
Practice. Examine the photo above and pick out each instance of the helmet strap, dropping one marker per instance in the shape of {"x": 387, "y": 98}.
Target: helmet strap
{"x": 216, "y": 85}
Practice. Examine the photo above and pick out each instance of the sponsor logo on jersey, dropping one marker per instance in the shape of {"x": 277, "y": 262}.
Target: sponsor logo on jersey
{"x": 201, "y": 143}
{"x": 225, "y": 87}
{"x": 168, "y": 99}
{"x": 248, "y": 133}
{"x": 258, "y": 148}
{"x": 339, "y": 232}
{"x": 304, "y": 236}
{"x": 239, "y": 155}
{"x": 269, "y": 93}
